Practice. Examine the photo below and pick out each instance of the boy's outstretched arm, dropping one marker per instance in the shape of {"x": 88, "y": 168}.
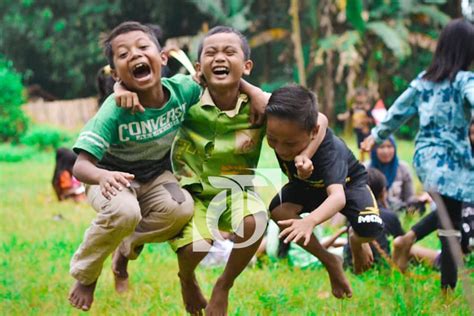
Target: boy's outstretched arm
{"x": 110, "y": 182}
{"x": 258, "y": 101}
{"x": 303, "y": 228}
{"x": 303, "y": 163}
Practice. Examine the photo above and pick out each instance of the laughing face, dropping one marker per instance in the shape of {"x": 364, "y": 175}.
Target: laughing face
{"x": 222, "y": 61}
{"x": 137, "y": 61}
{"x": 287, "y": 137}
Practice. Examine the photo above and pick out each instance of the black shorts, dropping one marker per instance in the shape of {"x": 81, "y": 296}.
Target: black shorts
{"x": 361, "y": 208}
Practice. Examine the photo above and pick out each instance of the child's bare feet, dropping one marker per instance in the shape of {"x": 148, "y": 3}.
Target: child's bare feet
{"x": 81, "y": 296}
{"x": 193, "y": 298}
{"x": 401, "y": 250}
{"x": 341, "y": 287}
{"x": 219, "y": 300}
{"x": 362, "y": 256}
{"x": 119, "y": 269}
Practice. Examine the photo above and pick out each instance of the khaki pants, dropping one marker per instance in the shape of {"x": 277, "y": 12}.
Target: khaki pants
{"x": 154, "y": 211}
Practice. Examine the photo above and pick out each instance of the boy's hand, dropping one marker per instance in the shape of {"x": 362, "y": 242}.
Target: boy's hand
{"x": 298, "y": 228}
{"x": 127, "y": 99}
{"x": 113, "y": 182}
{"x": 368, "y": 143}
{"x": 304, "y": 166}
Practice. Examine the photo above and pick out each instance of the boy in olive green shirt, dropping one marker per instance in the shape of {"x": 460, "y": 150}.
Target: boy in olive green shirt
{"x": 214, "y": 147}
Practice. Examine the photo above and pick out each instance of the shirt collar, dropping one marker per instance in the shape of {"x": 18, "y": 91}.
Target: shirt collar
{"x": 206, "y": 99}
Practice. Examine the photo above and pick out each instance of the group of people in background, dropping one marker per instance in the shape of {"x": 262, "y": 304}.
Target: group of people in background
{"x": 145, "y": 191}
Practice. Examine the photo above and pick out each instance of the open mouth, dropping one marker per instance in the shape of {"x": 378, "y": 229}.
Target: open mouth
{"x": 220, "y": 70}
{"x": 141, "y": 70}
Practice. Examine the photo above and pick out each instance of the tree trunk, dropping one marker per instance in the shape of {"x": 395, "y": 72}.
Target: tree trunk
{"x": 296, "y": 38}
{"x": 453, "y": 8}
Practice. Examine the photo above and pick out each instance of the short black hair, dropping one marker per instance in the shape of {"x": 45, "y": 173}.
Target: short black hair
{"x": 294, "y": 103}
{"x": 454, "y": 51}
{"x": 226, "y": 29}
{"x": 122, "y": 28}
{"x": 376, "y": 181}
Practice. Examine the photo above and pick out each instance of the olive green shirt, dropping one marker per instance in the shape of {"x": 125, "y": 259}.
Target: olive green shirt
{"x": 212, "y": 142}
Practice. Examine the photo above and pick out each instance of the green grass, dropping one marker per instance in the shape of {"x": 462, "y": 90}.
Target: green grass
{"x": 35, "y": 250}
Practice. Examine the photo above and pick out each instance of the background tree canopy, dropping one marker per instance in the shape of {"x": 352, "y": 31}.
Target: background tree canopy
{"x": 380, "y": 44}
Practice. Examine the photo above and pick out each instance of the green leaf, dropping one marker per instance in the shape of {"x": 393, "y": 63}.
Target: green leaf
{"x": 432, "y": 12}
{"x": 391, "y": 38}
{"x": 354, "y": 14}
{"x": 59, "y": 25}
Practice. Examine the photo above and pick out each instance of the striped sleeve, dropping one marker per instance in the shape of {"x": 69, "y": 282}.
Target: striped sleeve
{"x": 96, "y": 137}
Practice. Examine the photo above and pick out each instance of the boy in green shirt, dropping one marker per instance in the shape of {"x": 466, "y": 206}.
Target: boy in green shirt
{"x": 125, "y": 159}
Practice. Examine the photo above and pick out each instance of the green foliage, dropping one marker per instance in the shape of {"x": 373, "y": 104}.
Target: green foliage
{"x": 44, "y": 137}
{"x": 392, "y": 38}
{"x": 15, "y": 153}
{"x": 13, "y": 122}
{"x": 56, "y": 43}
{"x": 354, "y": 14}
{"x": 231, "y": 13}
{"x": 432, "y": 12}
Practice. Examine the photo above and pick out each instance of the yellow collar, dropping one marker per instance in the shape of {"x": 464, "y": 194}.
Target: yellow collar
{"x": 206, "y": 99}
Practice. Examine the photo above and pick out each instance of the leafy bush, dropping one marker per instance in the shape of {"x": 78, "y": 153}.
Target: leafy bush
{"x": 45, "y": 137}
{"x": 11, "y": 153}
{"x": 13, "y": 122}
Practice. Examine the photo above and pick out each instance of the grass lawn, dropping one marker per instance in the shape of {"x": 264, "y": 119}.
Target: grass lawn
{"x": 36, "y": 246}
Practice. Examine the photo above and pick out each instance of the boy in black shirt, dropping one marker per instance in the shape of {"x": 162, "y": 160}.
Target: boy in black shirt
{"x": 337, "y": 183}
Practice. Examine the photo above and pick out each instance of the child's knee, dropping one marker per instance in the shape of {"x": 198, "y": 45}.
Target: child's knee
{"x": 254, "y": 226}
{"x": 183, "y": 211}
{"x": 126, "y": 216}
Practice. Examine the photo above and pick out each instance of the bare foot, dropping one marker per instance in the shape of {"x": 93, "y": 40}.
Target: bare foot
{"x": 340, "y": 285}
{"x": 401, "y": 251}
{"x": 219, "y": 301}
{"x": 193, "y": 298}
{"x": 362, "y": 256}
{"x": 81, "y": 296}
{"x": 119, "y": 269}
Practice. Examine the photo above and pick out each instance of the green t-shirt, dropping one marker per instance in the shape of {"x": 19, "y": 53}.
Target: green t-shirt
{"x": 139, "y": 143}
{"x": 212, "y": 142}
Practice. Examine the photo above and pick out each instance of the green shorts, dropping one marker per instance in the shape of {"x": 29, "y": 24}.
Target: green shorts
{"x": 223, "y": 212}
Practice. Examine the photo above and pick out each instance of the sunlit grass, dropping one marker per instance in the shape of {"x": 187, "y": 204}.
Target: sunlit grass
{"x": 35, "y": 249}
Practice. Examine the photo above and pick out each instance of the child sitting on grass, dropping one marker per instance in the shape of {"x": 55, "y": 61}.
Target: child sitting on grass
{"x": 392, "y": 226}
{"x": 65, "y": 185}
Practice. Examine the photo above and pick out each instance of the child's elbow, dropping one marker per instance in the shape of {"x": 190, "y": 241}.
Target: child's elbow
{"x": 341, "y": 198}
{"x": 76, "y": 170}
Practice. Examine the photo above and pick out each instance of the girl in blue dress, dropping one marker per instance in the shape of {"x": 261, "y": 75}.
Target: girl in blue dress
{"x": 443, "y": 98}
